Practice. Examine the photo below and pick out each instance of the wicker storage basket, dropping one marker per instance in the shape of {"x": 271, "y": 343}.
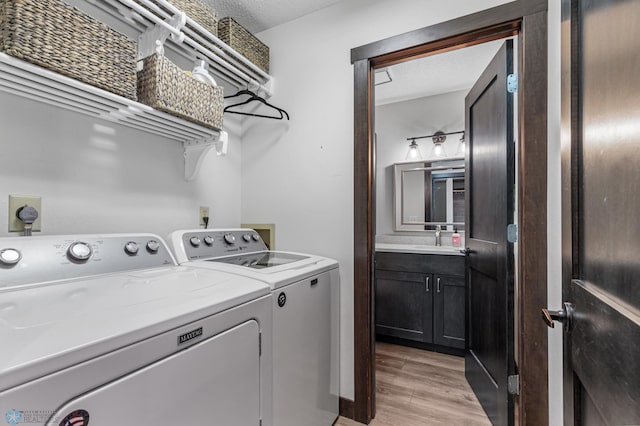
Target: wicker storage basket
{"x": 164, "y": 86}
{"x": 197, "y": 10}
{"x": 57, "y": 36}
{"x": 245, "y": 43}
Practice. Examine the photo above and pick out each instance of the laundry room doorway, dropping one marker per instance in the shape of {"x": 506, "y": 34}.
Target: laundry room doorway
{"x": 527, "y": 21}
{"x": 422, "y": 173}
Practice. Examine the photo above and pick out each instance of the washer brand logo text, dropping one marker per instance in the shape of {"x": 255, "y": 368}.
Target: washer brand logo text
{"x": 184, "y": 338}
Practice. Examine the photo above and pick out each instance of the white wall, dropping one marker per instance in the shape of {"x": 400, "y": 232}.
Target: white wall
{"x": 396, "y": 122}
{"x": 299, "y": 175}
{"x": 97, "y": 177}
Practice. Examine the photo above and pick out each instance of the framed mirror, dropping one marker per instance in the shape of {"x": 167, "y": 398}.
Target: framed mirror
{"x": 428, "y": 194}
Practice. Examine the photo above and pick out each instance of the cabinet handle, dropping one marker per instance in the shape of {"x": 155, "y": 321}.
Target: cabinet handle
{"x": 438, "y": 284}
{"x": 427, "y": 284}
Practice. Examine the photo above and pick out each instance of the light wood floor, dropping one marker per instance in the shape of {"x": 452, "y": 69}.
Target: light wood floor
{"x": 418, "y": 388}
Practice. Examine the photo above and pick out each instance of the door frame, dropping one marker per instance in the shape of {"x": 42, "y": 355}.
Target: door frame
{"x": 570, "y": 104}
{"x": 528, "y": 19}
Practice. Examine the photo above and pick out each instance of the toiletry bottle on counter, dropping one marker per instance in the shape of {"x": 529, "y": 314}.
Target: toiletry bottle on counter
{"x": 455, "y": 237}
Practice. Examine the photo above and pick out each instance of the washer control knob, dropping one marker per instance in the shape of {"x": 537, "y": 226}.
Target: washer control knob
{"x": 208, "y": 240}
{"x": 153, "y": 246}
{"x": 10, "y": 256}
{"x": 131, "y": 248}
{"x": 229, "y": 239}
{"x": 195, "y": 241}
{"x": 79, "y": 251}
{"x": 255, "y": 237}
{"x": 246, "y": 238}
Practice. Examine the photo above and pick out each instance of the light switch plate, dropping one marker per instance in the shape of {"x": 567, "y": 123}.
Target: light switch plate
{"x": 17, "y": 201}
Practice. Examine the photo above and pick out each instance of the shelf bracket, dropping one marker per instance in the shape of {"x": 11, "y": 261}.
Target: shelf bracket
{"x": 195, "y": 151}
{"x": 152, "y": 41}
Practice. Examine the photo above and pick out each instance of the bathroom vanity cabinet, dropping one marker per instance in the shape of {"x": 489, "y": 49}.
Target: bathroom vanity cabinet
{"x": 420, "y": 298}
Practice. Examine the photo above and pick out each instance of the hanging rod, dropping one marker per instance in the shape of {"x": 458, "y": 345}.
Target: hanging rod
{"x": 224, "y": 59}
{"x": 435, "y": 134}
{"x": 193, "y": 38}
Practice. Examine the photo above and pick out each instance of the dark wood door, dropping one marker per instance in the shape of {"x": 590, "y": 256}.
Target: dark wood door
{"x": 490, "y": 201}
{"x": 448, "y": 311}
{"x": 404, "y": 305}
{"x": 600, "y": 205}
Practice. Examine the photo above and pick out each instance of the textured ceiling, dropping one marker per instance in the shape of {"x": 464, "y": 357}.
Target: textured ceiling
{"x": 433, "y": 75}
{"x": 259, "y": 15}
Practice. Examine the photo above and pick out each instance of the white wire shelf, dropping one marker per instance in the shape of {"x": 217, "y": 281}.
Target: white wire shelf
{"x": 191, "y": 39}
{"x": 33, "y": 82}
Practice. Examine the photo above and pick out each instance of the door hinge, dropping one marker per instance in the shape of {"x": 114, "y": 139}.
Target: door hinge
{"x": 512, "y": 233}
{"x": 513, "y": 384}
{"x": 512, "y": 83}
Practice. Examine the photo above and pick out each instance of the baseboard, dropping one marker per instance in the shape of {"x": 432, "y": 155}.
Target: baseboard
{"x": 347, "y": 408}
{"x": 420, "y": 345}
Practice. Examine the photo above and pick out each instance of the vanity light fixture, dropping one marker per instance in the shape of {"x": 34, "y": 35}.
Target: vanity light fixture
{"x": 438, "y": 139}
{"x": 414, "y": 151}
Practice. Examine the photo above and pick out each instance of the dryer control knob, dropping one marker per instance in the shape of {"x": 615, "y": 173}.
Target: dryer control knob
{"x": 131, "y": 248}
{"x": 208, "y": 240}
{"x": 10, "y": 256}
{"x": 79, "y": 251}
{"x": 153, "y": 246}
{"x": 229, "y": 239}
{"x": 246, "y": 238}
{"x": 255, "y": 237}
{"x": 195, "y": 241}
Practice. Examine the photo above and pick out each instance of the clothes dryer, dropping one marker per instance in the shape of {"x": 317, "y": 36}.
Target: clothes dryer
{"x": 305, "y": 316}
{"x": 108, "y": 330}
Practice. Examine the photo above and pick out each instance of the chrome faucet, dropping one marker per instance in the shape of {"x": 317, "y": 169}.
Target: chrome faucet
{"x": 438, "y": 237}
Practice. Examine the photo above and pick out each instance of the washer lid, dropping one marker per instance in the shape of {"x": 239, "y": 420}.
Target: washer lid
{"x": 262, "y": 260}
{"x": 284, "y": 267}
{"x": 46, "y": 328}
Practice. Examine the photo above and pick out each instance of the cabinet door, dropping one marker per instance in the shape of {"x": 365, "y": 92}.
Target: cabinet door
{"x": 449, "y": 314}
{"x": 404, "y": 305}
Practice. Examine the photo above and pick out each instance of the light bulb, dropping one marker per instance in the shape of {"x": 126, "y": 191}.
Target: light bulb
{"x": 414, "y": 152}
{"x": 438, "y": 148}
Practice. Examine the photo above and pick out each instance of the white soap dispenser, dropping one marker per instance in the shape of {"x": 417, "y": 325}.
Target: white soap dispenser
{"x": 201, "y": 73}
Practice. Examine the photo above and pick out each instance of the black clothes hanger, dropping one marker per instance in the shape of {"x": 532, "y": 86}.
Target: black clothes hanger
{"x": 254, "y": 98}
{"x": 240, "y": 93}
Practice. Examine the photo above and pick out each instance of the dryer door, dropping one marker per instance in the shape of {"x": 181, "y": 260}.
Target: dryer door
{"x": 215, "y": 382}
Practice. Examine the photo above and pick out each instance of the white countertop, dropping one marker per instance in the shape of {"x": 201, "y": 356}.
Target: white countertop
{"x": 419, "y": 249}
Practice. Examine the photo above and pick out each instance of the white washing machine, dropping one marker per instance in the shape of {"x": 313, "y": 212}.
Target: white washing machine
{"x": 107, "y": 330}
{"x": 305, "y": 316}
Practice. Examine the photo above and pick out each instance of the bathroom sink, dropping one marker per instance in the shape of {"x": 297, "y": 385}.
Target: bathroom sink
{"x": 421, "y": 249}
{"x": 439, "y": 248}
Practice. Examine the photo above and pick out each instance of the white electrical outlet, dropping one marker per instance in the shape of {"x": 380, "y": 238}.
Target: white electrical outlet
{"x": 17, "y": 201}
{"x": 204, "y": 212}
